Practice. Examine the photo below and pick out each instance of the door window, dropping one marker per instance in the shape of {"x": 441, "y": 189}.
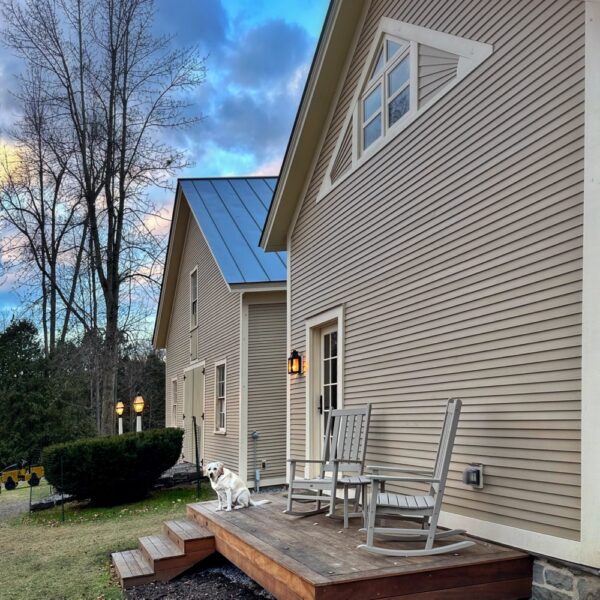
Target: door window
{"x": 329, "y": 395}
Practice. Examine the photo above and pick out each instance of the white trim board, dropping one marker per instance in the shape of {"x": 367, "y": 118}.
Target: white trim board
{"x": 590, "y": 346}
{"x": 243, "y": 409}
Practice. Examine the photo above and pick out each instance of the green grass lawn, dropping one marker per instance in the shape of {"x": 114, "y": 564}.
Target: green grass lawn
{"x": 43, "y": 558}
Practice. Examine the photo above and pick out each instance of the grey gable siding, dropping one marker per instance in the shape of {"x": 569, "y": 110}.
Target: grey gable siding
{"x": 218, "y": 339}
{"x": 456, "y": 251}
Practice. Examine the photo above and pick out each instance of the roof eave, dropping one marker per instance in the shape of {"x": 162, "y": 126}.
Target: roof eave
{"x": 259, "y": 286}
{"x": 335, "y": 41}
{"x": 159, "y": 336}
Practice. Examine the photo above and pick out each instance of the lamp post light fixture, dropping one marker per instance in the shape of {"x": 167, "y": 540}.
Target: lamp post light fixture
{"x": 294, "y": 363}
{"x": 138, "y": 407}
{"x": 120, "y": 409}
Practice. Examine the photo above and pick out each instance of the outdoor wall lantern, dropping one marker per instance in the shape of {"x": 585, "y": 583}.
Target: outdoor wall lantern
{"x": 138, "y": 407}
{"x": 120, "y": 409}
{"x": 294, "y": 363}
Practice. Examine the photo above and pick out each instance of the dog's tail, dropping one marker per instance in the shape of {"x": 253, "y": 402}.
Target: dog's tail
{"x": 259, "y": 502}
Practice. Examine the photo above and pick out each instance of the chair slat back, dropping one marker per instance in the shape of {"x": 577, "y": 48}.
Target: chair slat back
{"x": 346, "y": 438}
{"x": 446, "y": 445}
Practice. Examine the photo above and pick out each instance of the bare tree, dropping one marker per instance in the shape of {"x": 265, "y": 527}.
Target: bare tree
{"x": 42, "y": 213}
{"x": 117, "y": 88}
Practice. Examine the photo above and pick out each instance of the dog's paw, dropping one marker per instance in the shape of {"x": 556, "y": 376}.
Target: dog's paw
{"x": 228, "y": 510}
{"x": 218, "y": 509}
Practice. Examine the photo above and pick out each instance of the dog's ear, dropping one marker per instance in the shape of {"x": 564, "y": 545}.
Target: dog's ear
{"x": 220, "y": 469}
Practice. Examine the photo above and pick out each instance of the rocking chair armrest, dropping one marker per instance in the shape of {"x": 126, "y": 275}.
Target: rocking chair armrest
{"x": 373, "y": 477}
{"x": 349, "y": 461}
{"x": 400, "y": 469}
{"x": 306, "y": 460}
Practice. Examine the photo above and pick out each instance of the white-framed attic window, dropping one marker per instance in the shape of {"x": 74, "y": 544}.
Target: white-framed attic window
{"x": 387, "y": 95}
{"x": 408, "y": 69}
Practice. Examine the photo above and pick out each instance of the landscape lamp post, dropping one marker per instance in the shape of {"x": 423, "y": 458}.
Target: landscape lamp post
{"x": 119, "y": 409}
{"x": 138, "y": 407}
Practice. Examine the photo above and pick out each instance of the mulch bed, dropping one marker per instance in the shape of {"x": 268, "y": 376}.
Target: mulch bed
{"x": 216, "y": 579}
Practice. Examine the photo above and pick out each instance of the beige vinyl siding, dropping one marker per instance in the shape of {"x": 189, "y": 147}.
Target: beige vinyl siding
{"x": 436, "y": 68}
{"x": 218, "y": 339}
{"x": 343, "y": 160}
{"x": 267, "y": 375}
{"x": 456, "y": 251}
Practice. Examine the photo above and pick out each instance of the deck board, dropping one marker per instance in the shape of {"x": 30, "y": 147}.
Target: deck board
{"x": 314, "y": 557}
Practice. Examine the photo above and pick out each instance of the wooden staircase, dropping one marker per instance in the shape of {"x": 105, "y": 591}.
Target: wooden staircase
{"x": 182, "y": 544}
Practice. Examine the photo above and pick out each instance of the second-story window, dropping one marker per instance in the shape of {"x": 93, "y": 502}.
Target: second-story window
{"x": 194, "y": 298}
{"x": 386, "y": 98}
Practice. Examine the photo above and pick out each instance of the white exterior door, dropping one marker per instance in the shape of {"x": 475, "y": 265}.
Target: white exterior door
{"x": 328, "y": 387}
{"x": 193, "y": 406}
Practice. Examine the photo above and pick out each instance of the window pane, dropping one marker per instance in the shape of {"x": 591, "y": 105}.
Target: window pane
{"x": 378, "y": 64}
{"x": 399, "y": 106}
{"x": 334, "y": 396}
{"x": 334, "y": 343}
{"x": 326, "y": 349}
{"x": 392, "y": 48}
{"x": 333, "y": 367}
{"x": 326, "y": 368}
{"x": 194, "y": 285}
{"x": 326, "y": 404}
{"x": 372, "y": 131}
{"x": 372, "y": 103}
{"x": 398, "y": 76}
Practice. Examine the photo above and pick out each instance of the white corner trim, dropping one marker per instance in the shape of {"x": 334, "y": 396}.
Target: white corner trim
{"x": 243, "y": 424}
{"x": 471, "y": 54}
{"x": 590, "y": 362}
{"x": 288, "y": 395}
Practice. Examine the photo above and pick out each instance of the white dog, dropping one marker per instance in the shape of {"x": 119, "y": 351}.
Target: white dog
{"x": 231, "y": 490}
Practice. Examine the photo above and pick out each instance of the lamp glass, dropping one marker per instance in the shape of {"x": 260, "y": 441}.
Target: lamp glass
{"x": 138, "y": 404}
{"x": 120, "y": 408}
{"x": 294, "y": 363}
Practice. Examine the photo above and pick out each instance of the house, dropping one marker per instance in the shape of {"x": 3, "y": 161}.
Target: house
{"x": 221, "y": 318}
{"x": 439, "y": 204}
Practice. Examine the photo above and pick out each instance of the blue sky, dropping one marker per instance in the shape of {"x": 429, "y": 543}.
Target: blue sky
{"x": 258, "y": 53}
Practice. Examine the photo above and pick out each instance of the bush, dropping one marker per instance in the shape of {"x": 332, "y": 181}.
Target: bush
{"x": 115, "y": 469}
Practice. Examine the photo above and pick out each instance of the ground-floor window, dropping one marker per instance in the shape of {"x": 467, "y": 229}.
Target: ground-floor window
{"x": 174, "y": 403}
{"x": 220, "y": 397}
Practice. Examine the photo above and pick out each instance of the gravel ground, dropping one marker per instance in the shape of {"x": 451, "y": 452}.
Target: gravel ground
{"x": 14, "y": 502}
{"x": 217, "y": 579}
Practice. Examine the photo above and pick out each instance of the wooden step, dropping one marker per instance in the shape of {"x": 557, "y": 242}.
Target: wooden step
{"x": 132, "y": 568}
{"x": 189, "y": 536}
{"x": 162, "y": 557}
{"x": 160, "y": 551}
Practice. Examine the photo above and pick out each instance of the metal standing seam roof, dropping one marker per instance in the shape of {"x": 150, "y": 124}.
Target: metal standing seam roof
{"x": 231, "y": 213}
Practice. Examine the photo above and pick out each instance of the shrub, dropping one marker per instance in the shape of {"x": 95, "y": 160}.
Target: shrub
{"x": 115, "y": 469}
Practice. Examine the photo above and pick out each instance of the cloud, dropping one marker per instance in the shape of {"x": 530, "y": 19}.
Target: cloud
{"x": 269, "y": 53}
{"x": 249, "y": 99}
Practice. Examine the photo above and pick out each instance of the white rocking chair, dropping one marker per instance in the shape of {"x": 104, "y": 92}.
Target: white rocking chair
{"x": 425, "y": 508}
{"x": 341, "y": 467}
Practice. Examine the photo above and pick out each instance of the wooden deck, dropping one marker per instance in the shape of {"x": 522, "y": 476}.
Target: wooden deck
{"x": 315, "y": 558}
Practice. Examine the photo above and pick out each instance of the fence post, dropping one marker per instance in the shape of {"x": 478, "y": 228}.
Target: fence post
{"x": 62, "y": 489}
{"x": 197, "y": 453}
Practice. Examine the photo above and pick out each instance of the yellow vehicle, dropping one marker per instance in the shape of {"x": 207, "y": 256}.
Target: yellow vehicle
{"x": 11, "y": 475}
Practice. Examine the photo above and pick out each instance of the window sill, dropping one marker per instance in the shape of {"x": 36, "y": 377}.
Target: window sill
{"x": 220, "y": 432}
